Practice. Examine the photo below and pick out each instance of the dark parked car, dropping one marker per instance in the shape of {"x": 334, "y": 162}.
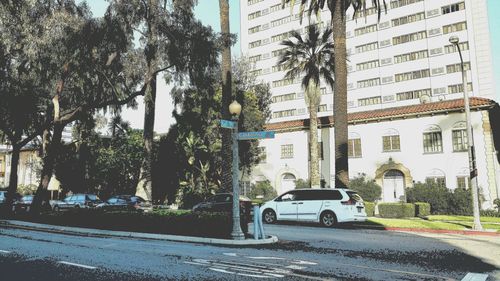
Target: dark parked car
{"x": 124, "y": 202}
{"x": 223, "y": 202}
{"x": 77, "y": 201}
{"x": 23, "y": 204}
{"x": 3, "y": 197}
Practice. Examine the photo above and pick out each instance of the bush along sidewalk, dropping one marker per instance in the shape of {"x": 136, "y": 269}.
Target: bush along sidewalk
{"x": 210, "y": 225}
{"x": 396, "y": 210}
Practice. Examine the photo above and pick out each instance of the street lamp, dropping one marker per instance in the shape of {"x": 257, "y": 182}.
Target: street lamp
{"x": 237, "y": 234}
{"x": 470, "y": 141}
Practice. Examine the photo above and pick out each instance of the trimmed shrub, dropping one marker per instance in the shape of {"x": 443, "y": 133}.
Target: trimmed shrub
{"x": 215, "y": 225}
{"x": 460, "y": 202}
{"x": 422, "y": 209}
{"x": 264, "y": 189}
{"x": 300, "y": 183}
{"x": 490, "y": 213}
{"x": 370, "y": 208}
{"x": 396, "y": 210}
{"x": 496, "y": 202}
{"x": 437, "y": 196}
{"x": 366, "y": 188}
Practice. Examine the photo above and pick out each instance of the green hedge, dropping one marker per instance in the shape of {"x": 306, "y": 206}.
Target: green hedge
{"x": 396, "y": 210}
{"x": 370, "y": 209}
{"x": 490, "y": 213}
{"x": 422, "y": 209}
{"x": 214, "y": 225}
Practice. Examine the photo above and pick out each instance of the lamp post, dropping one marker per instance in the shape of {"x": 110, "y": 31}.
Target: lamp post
{"x": 470, "y": 142}
{"x": 236, "y": 234}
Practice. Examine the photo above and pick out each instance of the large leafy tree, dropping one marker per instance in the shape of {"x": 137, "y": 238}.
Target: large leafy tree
{"x": 310, "y": 57}
{"x": 338, "y": 10}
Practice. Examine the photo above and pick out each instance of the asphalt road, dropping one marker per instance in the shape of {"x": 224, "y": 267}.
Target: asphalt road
{"x": 303, "y": 253}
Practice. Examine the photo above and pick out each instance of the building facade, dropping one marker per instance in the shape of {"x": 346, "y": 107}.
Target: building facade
{"x": 404, "y": 95}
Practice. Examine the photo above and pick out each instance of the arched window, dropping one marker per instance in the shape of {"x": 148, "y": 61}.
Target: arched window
{"x": 433, "y": 140}
{"x": 459, "y": 137}
{"x": 437, "y": 177}
{"x": 390, "y": 141}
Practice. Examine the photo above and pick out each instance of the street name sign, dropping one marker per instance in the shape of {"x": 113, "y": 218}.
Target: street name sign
{"x": 227, "y": 124}
{"x": 255, "y": 135}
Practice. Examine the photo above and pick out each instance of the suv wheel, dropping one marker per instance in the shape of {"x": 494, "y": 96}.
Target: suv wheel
{"x": 56, "y": 208}
{"x": 328, "y": 219}
{"x": 269, "y": 216}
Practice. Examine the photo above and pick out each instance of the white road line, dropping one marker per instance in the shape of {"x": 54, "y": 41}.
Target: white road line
{"x": 5, "y": 252}
{"x": 471, "y": 276}
{"x": 230, "y": 254}
{"x": 77, "y": 265}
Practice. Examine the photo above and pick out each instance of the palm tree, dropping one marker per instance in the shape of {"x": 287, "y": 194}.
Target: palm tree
{"x": 226, "y": 93}
{"x": 312, "y": 57}
{"x": 338, "y": 10}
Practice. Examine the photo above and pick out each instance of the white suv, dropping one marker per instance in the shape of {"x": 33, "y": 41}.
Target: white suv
{"x": 326, "y": 206}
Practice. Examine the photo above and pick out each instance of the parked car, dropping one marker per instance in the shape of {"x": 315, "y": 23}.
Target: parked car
{"x": 124, "y": 202}
{"x": 3, "y": 197}
{"x": 23, "y": 204}
{"x": 77, "y": 201}
{"x": 326, "y": 206}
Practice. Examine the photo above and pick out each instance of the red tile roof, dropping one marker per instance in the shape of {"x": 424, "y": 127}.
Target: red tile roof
{"x": 388, "y": 113}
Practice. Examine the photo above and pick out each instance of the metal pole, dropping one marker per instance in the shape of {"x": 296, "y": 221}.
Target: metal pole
{"x": 470, "y": 145}
{"x": 236, "y": 234}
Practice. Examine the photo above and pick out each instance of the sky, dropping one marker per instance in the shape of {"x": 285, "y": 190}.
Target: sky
{"x": 207, "y": 11}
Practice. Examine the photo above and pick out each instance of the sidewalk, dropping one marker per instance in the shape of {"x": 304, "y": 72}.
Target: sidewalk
{"x": 78, "y": 231}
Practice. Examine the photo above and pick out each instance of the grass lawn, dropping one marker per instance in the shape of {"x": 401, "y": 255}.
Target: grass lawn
{"x": 427, "y": 224}
{"x": 462, "y": 218}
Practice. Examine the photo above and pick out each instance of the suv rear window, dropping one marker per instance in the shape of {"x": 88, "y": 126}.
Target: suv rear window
{"x": 354, "y": 196}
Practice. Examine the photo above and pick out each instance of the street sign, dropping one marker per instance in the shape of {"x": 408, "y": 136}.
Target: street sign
{"x": 255, "y": 135}
{"x": 227, "y": 124}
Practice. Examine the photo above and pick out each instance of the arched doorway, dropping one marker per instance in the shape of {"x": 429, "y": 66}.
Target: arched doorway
{"x": 287, "y": 182}
{"x": 393, "y": 189}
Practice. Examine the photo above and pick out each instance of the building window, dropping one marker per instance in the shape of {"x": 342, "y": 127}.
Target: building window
{"x": 279, "y": 52}
{"x": 255, "y": 58}
{"x": 369, "y": 83}
{"x": 409, "y": 37}
{"x": 254, "y": 29}
{"x": 282, "y": 83}
{"x": 254, "y": 44}
{"x": 433, "y": 142}
{"x": 453, "y": 8}
{"x": 463, "y": 182}
{"x": 367, "y": 47}
{"x": 464, "y": 46}
{"x": 400, "y": 3}
{"x": 280, "y": 37}
{"x": 391, "y": 143}
{"x": 439, "y": 181}
{"x": 367, "y": 65}
{"x": 279, "y": 67}
{"x": 285, "y": 113}
{"x": 262, "y": 154}
{"x": 413, "y": 94}
{"x": 322, "y": 108}
{"x": 282, "y": 98}
{"x": 369, "y": 101}
{"x": 368, "y": 12}
{"x": 287, "y": 151}
{"x": 459, "y": 26}
{"x": 281, "y": 21}
{"x": 411, "y": 56}
{"x": 365, "y": 30}
{"x": 459, "y": 88}
{"x": 354, "y": 148}
{"x": 254, "y": 15}
{"x": 412, "y": 75}
{"x": 459, "y": 137}
{"x": 251, "y": 2}
{"x": 408, "y": 19}
{"x": 452, "y": 68}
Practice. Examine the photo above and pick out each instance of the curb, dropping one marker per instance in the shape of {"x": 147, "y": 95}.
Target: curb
{"x": 427, "y": 230}
{"x": 79, "y": 231}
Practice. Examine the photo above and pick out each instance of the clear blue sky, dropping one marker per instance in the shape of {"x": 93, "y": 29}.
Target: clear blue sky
{"x": 208, "y": 12}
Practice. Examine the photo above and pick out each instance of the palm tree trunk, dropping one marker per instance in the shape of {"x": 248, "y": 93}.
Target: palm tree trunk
{"x": 313, "y": 143}
{"x": 144, "y": 187}
{"x": 49, "y": 156}
{"x": 226, "y": 152}
{"x": 340, "y": 95}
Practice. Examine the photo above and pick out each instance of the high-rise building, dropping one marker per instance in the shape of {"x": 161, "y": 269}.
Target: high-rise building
{"x": 396, "y": 61}
{"x": 405, "y": 96}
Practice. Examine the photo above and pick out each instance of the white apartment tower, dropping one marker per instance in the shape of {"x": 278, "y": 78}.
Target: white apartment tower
{"x": 393, "y": 62}
{"x": 404, "y": 96}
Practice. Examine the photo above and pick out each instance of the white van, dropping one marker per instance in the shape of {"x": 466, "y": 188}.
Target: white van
{"x": 326, "y": 206}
